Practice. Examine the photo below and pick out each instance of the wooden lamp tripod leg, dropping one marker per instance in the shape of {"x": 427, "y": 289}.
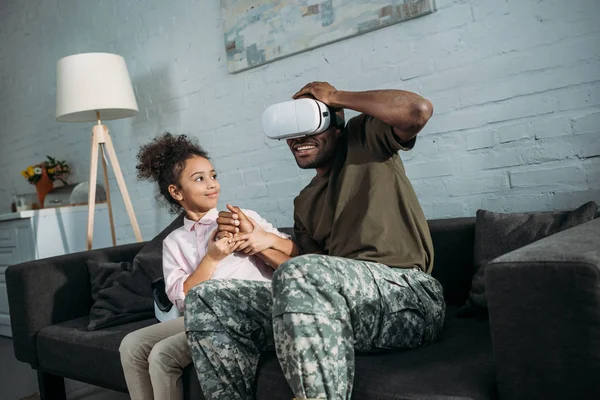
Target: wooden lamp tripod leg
{"x": 112, "y": 156}
{"x": 92, "y": 188}
{"x": 101, "y": 140}
{"x": 108, "y": 201}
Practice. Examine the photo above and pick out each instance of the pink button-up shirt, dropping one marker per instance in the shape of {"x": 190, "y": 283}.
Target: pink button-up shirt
{"x": 186, "y": 246}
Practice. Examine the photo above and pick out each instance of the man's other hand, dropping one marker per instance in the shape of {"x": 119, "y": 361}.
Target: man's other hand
{"x": 321, "y": 91}
{"x": 232, "y": 222}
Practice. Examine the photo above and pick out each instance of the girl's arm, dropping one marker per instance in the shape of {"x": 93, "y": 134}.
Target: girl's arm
{"x": 204, "y": 271}
{"x": 178, "y": 282}
{"x": 273, "y": 257}
{"x": 285, "y": 246}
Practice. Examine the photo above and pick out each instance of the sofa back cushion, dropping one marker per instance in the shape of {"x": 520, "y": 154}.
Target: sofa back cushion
{"x": 497, "y": 234}
{"x": 149, "y": 259}
{"x": 453, "y": 255}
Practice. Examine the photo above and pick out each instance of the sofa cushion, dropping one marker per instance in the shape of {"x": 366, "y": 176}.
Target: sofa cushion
{"x": 497, "y": 234}
{"x": 69, "y": 349}
{"x": 458, "y": 366}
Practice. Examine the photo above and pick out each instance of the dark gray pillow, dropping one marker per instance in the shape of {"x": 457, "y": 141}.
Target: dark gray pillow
{"x": 104, "y": 273}
{"x": 128, "y": 297}
{"x": 149, "y": 259}
{"x": 497, "y": 234}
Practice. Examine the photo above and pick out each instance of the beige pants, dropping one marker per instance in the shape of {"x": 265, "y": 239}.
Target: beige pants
{"x": 153, "y": 360}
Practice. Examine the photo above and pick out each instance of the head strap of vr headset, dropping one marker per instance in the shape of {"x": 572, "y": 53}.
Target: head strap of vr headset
{"x": 337, "y": 120}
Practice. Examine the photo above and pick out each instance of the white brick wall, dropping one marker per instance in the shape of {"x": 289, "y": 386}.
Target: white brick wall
{"x": 515, "y": 85}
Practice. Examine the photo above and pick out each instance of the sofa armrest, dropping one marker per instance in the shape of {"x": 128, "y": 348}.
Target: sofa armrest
{"x": 52, "y": 290}
{"x": 544, "y": 307}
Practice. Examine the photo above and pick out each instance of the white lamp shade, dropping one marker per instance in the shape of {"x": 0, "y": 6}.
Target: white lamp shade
{"x": 90, "y": 82}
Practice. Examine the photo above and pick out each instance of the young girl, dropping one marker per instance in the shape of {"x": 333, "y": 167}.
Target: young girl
{"x": 153, "y": 357}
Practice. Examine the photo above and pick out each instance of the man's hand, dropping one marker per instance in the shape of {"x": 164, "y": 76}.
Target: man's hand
{"x": 321, "y": 91}
{"x": 232, "y": 222}
{"x": 256, "y": 241}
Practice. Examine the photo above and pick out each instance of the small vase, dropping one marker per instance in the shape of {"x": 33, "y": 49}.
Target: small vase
{"x": 43, "y": 187}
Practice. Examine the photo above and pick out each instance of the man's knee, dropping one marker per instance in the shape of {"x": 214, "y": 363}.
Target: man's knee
{"x": 306, "y": 265}
{"x": 307, "y": 284}
{"x": 208, "y": 302}
{"x": 206, "y": 289}
{"x": 201, "y": 295}
{"x": 308, "y": 270}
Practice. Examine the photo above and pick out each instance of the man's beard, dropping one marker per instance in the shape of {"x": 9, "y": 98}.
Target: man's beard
{"x": 321, "y": 159}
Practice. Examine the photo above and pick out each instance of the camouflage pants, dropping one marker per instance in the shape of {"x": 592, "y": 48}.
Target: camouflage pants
{"x": 322, "y": 309}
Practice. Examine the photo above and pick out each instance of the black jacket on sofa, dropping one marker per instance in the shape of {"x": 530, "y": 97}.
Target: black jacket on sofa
{"x": 542, "y": 339}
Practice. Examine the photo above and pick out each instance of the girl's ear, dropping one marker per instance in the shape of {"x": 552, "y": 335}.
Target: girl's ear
{"x": 175, "y": 192}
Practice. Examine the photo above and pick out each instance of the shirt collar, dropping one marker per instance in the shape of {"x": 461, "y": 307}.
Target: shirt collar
{"x": 209, "y": 218}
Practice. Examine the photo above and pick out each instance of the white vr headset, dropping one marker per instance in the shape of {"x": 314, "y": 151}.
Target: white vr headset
{"x": 297, "y": 118}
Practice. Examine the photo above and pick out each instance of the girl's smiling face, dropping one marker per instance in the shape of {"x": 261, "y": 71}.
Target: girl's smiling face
{"x": 198, "y": 189}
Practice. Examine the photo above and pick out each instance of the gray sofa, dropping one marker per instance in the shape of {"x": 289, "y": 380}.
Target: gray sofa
{"x": 541, "y": 341}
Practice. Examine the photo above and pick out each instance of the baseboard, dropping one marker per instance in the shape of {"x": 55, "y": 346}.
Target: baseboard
{"x": 5, "y": 330}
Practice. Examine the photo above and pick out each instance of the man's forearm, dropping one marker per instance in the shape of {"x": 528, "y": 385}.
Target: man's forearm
{"x": 407, "y": 112}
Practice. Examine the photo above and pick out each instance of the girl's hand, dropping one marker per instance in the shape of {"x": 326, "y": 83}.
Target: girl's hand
{"x": 256, "y": 241}
{"x": 218, "y": 249}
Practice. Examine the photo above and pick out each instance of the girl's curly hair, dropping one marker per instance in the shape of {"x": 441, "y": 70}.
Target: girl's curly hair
{"x": 163, "y": 161}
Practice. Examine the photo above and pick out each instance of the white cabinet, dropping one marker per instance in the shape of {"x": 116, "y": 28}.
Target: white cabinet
{"x": 31, "y": 235}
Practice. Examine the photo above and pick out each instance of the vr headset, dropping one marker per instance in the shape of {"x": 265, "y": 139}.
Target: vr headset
{"x": 297, "y": 118}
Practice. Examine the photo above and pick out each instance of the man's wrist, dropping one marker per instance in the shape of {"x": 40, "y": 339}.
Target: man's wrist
{"x": 338, "y": 99}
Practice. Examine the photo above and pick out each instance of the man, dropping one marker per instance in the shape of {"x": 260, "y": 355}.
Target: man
{"x": 362, "y": 282}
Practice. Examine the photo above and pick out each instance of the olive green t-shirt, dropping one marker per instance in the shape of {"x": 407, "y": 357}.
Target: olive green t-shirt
{"x": 366, "y": 209}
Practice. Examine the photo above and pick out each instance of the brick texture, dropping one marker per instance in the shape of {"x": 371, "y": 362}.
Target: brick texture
{"x": 515, "y": 86}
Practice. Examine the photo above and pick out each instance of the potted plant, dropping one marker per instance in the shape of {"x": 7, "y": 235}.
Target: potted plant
{"x": 44, "y": 174}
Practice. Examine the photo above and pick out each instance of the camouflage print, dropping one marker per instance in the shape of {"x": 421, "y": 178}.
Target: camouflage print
{"x": 228, "y": 324}
{"x": 324, "y": 309}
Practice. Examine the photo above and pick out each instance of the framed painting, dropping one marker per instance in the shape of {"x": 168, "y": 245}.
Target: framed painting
{"x": 260, "y": 31}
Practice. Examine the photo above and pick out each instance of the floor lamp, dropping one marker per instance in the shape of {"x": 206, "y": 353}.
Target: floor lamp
{"x": 92, "y": 87}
